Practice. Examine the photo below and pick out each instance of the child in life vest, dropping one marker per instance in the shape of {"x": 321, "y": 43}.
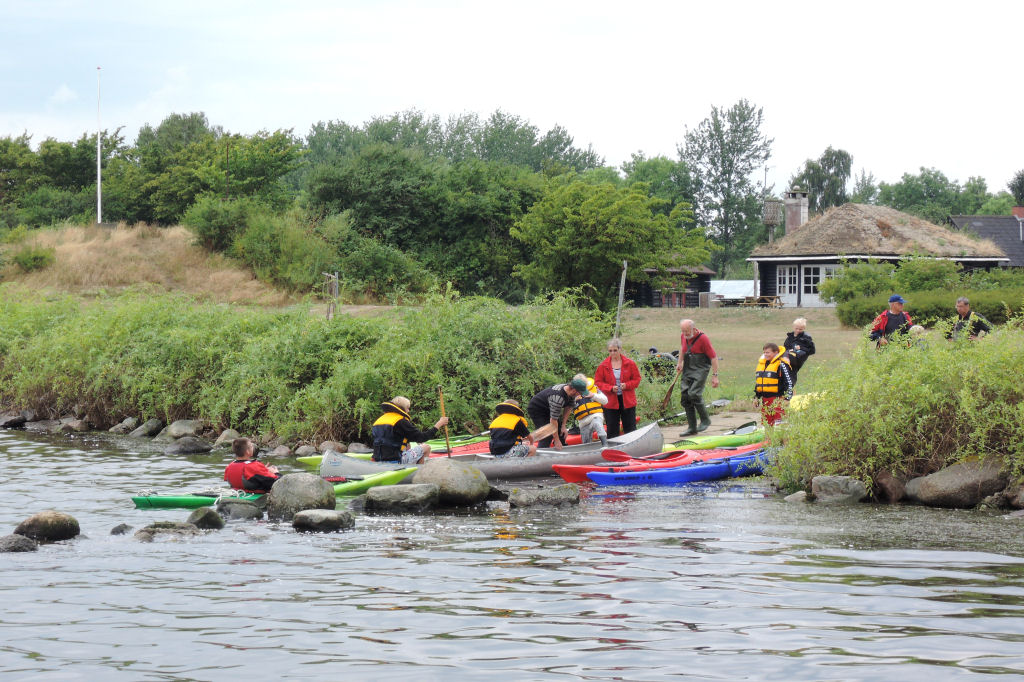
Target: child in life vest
{"x": 773, "y": 383}
{"x": 588, "y": 412}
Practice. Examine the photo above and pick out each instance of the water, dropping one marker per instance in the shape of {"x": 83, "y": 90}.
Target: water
{"x": 720, "y": 582}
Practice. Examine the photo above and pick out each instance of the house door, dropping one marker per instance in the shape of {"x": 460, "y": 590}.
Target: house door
{"x": 812, "y": 277}
{"x": 786, "y": 283}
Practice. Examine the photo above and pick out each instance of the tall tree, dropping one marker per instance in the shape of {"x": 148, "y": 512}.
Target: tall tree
{"x": 825, "y": 179}
{"x": 723, "y": 152}
{"x": 667, "y": 179}
{"x": 1016, "y": 187}
{"x": 865, "y": 189}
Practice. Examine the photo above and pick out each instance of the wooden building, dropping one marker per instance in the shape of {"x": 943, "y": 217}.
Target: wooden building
{"x": 683, "y": 293}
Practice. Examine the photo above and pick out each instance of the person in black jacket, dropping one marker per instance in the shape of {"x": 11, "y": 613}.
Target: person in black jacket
{"x": 800, "y": 346}
{"x": 393, "y": 433}
{"x": 968, "y": 323}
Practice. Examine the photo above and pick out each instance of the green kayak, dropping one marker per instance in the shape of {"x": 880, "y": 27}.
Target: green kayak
{"x": 313, "y": 461}
{"x": 745, "y": 435}
{"x": 356, "y": 486}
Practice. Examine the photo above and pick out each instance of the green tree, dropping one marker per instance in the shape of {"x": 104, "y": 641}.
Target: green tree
{"x": 999, "y": 204}
{"x": 825, "y": 179}
{"x": 932, "y": 196}
{"x": 865, "y": 188}
{"x": 667, "y": 179}
{"x": 722, "y": 153}
{"x": 580, "y": 233}
{"x": 857, "y": 280}
{"x": 1016, "y": 187}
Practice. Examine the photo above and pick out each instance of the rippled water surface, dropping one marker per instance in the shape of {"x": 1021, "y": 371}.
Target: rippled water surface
{"x": 720, "y": 582}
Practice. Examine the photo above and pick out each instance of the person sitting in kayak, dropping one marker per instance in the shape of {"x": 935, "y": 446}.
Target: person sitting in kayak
{"x": 393, "y": 431}
{"x": 510, "y": 435}
{"x": 773, "y": 382}
{"x": 245, "y": 472}
{"x": 589, "y": 413}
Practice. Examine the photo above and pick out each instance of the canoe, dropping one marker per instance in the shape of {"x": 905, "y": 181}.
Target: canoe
{"x": 577, "y": 473}
{"x": 313, "y": 461}
{"x": 743, "y": 436}
{"x": 482, "y": 447}
{"x": 353, "y": 486}
{"x": 338, "y": 464}
{"x": 647, "y": 440}
{"x": 742, "y": 465}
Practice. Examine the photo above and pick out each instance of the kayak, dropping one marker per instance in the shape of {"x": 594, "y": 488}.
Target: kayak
{"x": 725, "y": 440}
{"x": 353, "y": 486}
{"x": 742, "y": 465}
{"x": 577, "y": 473}
{"x": 313, "y": 461}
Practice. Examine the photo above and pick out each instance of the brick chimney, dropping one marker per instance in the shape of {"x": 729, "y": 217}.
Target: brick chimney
{"x": 1018, "y": 211}
{"x": 796, "y": 209}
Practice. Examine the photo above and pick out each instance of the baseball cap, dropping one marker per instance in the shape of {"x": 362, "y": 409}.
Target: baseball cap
{"x": 896, "y": 298}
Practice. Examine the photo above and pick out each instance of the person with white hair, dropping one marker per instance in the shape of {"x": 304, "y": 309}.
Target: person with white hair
{"x": 799, "y": 346}
{"x": 697, "y": 359}
{"x": 394, "y": 431}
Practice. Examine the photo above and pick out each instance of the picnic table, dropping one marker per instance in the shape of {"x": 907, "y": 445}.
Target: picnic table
{"x": 761, "y": 302}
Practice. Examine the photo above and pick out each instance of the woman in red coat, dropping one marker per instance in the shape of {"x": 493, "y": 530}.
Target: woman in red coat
{"x": 617, "y": 377}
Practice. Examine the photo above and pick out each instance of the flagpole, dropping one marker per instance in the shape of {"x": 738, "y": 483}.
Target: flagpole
{"x": 99, "y": 172}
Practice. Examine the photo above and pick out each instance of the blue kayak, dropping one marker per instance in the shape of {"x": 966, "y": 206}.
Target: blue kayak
{"x": 742, "y": 465}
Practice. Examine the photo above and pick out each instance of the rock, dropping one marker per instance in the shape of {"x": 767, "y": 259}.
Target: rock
{"x": 225, "y": 438}
{"x": 332, "y": 445}
{"x": 888, "y": 488}
{"x": 49, "y": 526}
{"x": 721, "y": 402}
{"x": 497, "y": 495}
{"x": 75, "y": 425}
{"x": 322, "y": 520}
{"x": 188, "y": 445}
{"x": 293, "y": 493}
{"x": 47, "y": 425}
{"x": 206, "y": 518}
{"x": 1015, "y": 495}
{"x": 125, "y": 426}
{"x": 149, "y": 429}
{"x": 185, "y": 427}
{"x": 798, "y": 496}
{"x": 402, "y": 499}
{"x": 10, "y": 420}
{"x": 163, "y": 437}
{"x": 121, "y": 529}
{"x": 568, "y": 493}
{"x": 358, "y": 448}
{"x": 460, "y": 484}
{"x": 960, "y": 486}
{"x": 17, "y": 543}
{"x": 239, "y": 510}
{"x": 305, "y": 451}
{"x": 837, "y": 490}
{"x": 172, "y": 529}
{"x": 280, "y": 451}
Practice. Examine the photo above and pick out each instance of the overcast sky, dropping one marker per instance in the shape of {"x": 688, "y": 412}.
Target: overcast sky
{"x": 899, "y": 85}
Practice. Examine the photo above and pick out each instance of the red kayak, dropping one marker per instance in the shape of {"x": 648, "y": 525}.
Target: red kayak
{"x": 577, "y": 473}
{"x": 484, "y": 446}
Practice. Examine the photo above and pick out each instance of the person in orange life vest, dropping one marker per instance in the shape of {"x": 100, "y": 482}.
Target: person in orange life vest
{"x": 245, "y": 473}
{"x": 890, "y": 322}
{"x": 393, "y": 431}
{"x": 588, "y": 410}
{"x": 773, "y": 383}
{"x": 510, "y": 435}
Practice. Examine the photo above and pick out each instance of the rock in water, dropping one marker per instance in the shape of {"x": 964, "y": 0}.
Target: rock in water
{"x": 293, "y": 493}
{"x": 49, "y": 526}
{"x": 459, "y": 484}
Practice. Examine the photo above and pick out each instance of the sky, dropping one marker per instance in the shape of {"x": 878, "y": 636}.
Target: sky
{"x": 900, "y": 85}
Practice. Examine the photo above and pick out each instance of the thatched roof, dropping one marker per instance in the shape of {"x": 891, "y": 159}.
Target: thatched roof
{"x": 863, "y": 230}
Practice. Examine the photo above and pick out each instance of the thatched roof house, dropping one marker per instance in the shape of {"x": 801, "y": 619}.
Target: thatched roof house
{"x": 792, "y": 267}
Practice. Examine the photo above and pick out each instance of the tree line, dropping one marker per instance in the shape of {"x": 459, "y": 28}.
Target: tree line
{"x": 493, "y": 205}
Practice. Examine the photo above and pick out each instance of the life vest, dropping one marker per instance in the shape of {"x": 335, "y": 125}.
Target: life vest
{"x": 585, "y": 408}
{"x": 387, "y": 446}
{"x": 236, "y": 477}
{"x": 766, "y": 381}
{"x": 503, "y": 428}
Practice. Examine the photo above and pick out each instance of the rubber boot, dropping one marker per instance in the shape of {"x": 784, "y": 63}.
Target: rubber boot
{"x": 691, "y": 419}
{"x": 705, "y": 420}
{"x": 604, "y": 440}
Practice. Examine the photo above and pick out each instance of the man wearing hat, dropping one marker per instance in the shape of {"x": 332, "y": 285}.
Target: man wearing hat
{"x": 551, "y": 408}
{"x": 393, "y": 431}
{"x": 889, "y": 322}
{"x": 510, "y": 435}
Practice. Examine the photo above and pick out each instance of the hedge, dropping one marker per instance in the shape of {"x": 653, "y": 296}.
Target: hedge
{"x": 929, "y": 307}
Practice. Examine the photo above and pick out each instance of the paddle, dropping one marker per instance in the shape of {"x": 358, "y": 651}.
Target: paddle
{"x": 613, "y": 455}
{"x": 447, "y": 443}
{"x": 668, "y": 394}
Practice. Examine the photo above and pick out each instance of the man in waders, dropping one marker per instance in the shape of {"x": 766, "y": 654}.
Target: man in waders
{"x": 696, "y": 359}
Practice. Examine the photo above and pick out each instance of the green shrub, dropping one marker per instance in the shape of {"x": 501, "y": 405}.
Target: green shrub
{"x": 911, "y": 411}
{"x": 856, "y": 280}
{"x": 925, "y": 274}
{"x": 929, "y": 307}
{"x": 996, "y": 278}
{"x": 216, "y": 221}
{"x": 283, "y": 249}
{"x": 30, "y": 258}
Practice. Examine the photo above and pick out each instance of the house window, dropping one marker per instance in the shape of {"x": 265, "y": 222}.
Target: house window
{"x": 786, "y": 280}
{"x": 812, "y": 275}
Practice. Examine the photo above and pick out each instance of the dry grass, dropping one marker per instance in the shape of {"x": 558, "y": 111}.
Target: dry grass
{"x": 90, "y": 259}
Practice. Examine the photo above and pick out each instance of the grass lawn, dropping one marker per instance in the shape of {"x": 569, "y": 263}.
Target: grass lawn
{"x": 738, "y": 335}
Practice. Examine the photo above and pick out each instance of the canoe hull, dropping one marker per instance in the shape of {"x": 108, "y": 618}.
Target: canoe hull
{"x": 577, "y": 473}
{"x": 743, "y": 465}
{"x": 185, "y": 501}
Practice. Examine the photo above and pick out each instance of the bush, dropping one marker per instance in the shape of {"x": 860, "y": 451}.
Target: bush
{"x": 30, "y": 258}
{"x": 996, "y": 278}
{"x": 216, "y": 221}
{"x": 924, "y": 274}
{"x": 283, "y": 249}
{"x": 929, "y": 307}
{"x": 911, "y": 411}
{"x": 856, "y": 280}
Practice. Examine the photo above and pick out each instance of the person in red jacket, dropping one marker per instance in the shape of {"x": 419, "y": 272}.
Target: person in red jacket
{"x": 245, "y": 473}
{"x": 617, "y": 377}
{"x": 890, "y": 322}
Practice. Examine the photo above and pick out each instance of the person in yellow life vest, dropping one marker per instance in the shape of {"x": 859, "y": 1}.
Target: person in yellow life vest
{"x": 510, "y": 434}
{"x": 588, "y": 412}
{"x": 393, "y": 431}
{"x": 773, "y": 383}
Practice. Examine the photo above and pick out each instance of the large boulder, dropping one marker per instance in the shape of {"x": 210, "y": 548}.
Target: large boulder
{"x": 185, "y": 427}
{"x": 172, "y": 530}
{"x": 239, "y": 510}
{"x": 322, "y": 520}
{"x": 356, "y": 448}
{"x": 150, "y": 428}
{"x": 402, "y": 499}
{"x": 837, "y": 490}
{"x": 17, "y": 543}
{"x": 459, "y": 484}
{"x": 225, "y": 438}
{"x": 188, "y": 445}
{"x": 305, "y": 451}
{"x": 333, "y": 445}
{"x": 293, "y": 493}
{"x": 568, "y": 493}
{"x": 206, "y": 518}
{"x": 49, "y": 526}
{"x": 9, "y": 420}
{"x": 75, "y": 426}
{"x": 888, "y": 488}
{"x": 960, "y": 486}
{"x": 126, "y": 425}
